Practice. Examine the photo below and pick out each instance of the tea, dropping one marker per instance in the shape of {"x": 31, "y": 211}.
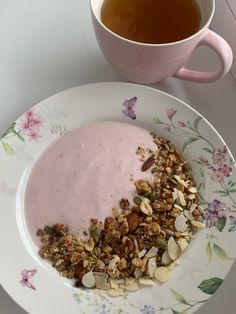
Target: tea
{"x": 152, "y": 21}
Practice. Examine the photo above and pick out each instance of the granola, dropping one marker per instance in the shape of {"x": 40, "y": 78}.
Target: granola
{"x": 143, "y": 239}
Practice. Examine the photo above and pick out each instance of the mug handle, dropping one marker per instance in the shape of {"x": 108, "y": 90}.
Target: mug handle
{"x": 223, "y": 50}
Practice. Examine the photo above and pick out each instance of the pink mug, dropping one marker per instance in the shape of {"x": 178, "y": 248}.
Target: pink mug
{"x": 150, "y": 63}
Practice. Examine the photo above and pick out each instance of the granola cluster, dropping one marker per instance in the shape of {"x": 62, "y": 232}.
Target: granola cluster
{"x": 143, "y": 239}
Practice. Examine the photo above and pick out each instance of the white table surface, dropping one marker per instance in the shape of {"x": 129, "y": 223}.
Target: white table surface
{"x": 47, "y": 46}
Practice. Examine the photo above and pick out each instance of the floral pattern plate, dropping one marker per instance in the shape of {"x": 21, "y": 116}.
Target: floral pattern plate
{"x": 34, "y": 284}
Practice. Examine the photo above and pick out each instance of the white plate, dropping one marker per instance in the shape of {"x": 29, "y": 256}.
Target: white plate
{"x": 34, "y": 284}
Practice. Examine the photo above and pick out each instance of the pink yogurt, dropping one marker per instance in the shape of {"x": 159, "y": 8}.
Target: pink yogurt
{"x": 84, "y": 174}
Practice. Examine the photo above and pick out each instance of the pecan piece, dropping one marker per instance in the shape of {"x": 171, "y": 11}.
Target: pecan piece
{"x": 133, "y": 221}
{"x": 148, "y": 163}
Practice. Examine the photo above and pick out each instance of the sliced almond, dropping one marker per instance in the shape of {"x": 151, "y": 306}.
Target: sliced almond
{"x": 193, "y": 190}
{"x": 152, "y": 265}
{"x": 142, "y": 253}
{"x": 192, "y": 208}
{"x": 162, "y": 274}
{"x": 117, "y": 281}
{"x": 88, "y": 280}
{"x": 175, "y": 263}
{"x": 101, "y": 282}
{"x": 175, "y": 194}
{"x": 182, "y": 182}
{"x": 173, "y": 249}
{"x": 114, "y": 285}
{"x": 137, "y": 273}
{"x": 201, "y": 210}
{"x": 129, "y": 281}
{"x": 180, "y": 223}
{"x": 101, "y": 274}
{"x": 133, "y": 287}
{"x": 166, "y": 260}
{"x": 198, "y": 224}
{"x": 178, "y": 207}
{"x": 146, "y": 282}
{"x": 181, "y": 198}
{"x": 146, "y": 208}
{"x": 100, "y": 292}
{"x": 115, "y": 292}
{"x": 152, "y": 252}
{"x": 183, "y": 243}
{"x": 113, "y": 262}
{"x": 143, "y": 268}
{"x": 188, "y": 215}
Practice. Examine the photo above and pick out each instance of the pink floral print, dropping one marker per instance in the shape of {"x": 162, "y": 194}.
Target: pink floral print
{"x": 26, "y": 280}
{"x": 30, "y": 125}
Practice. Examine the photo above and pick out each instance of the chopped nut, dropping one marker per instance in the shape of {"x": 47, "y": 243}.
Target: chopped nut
{"x": 101, "y": 282}
{"x": 116, "y": 212}
{"x": 142, "y": 253}
{"x": 137, "y": 262}
{"x": 198, "y": 224}
{"x": 146, "y": 208}
{"x": 148, "y": 163}
{"x": 183, "y": 243}
{"x": 173, "y": 264}
{"x": 166, "y": 260}
{"x": 188, "y": 215}
{"x": 173, "y": 249}
{"x": 152, "y": 252}
{"x": 133, "y": 287}
{"x": 113, "y": 262}
{"x": 182, "y": 182}
{"x": 137, "y": 273}
{"x": 115, "y": 292}
{"x": 193, "y": 190}
{"x": 85, "y": 263}
{"x": 124, "y": 228}
{"x": 89, "y": 246}
{"x": 146, "y": 282}
{"x": 181, "y": 198}
{"x": 88, "y": 280}
{"x": 143, "y": 187}
{"x": 155, "y": 228}
{"x": 107, "y": 249}
{"x": 180, "y": 223}
{"x": 124, "y": 203}
{"x": 133, "y": 221}
{"x": 162, "y": 274}
{"x": 152, "y": 265}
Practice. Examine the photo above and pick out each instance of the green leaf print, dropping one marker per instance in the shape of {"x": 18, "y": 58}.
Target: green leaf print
{"x": 221, "y": 224}
{"x": 196, "y": 122}
{"x": 177, "y": 312}
{"x": 179, "y": 297}
{"x": 8, "y": 149}
{"x": 209, "y": 252}
{"x": 210, "y": 286}
{"x": 11, "y": 130}
{"x": 220, "y": 252}
{"x": 157, "y": 121}
{"x": 188, "y": 142}
{"x": 208, "y": 150}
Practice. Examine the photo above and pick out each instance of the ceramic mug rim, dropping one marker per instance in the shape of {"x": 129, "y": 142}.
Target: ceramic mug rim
{"x": 202, "y": 28}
